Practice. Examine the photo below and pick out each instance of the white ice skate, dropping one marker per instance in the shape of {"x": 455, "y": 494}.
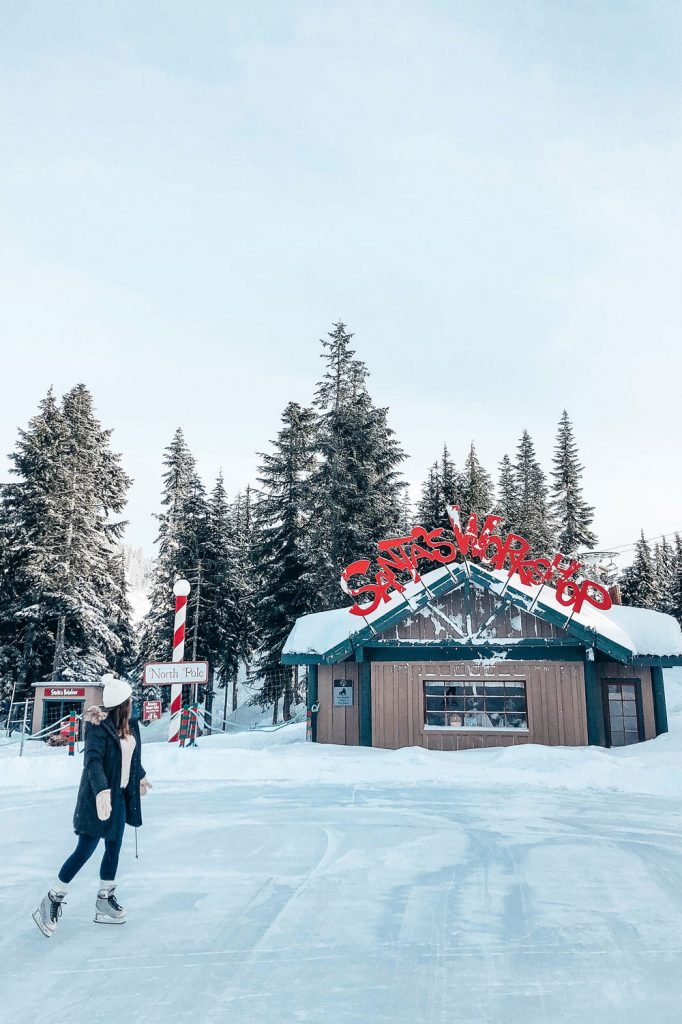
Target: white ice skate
{"x": 48, "y": 913}
{"x": 108, "y": 909}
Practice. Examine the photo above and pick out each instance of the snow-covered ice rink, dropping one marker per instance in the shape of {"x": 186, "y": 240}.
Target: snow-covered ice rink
{"x": 280, "y": 882}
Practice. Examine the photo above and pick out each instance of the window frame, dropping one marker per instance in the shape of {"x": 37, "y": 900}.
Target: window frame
{"x": 639, "y": 705}
{"x": 483, "y": 730}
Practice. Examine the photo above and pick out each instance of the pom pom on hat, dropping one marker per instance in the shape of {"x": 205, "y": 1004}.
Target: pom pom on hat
{"x": 116, "y": 691}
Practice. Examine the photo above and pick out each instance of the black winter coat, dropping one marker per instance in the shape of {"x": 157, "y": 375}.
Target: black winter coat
{"x": 102, "y": 770}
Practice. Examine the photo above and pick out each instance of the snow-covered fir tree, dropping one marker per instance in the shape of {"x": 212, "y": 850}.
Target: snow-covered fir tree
{"x": 442, "y": 487}
{"x": 431, "y": 503}
{"x": 242, "y": 514}
{"x": 638, "y": 581}
{"x": 221, "y": 608}
{"x": 64, "y": 614}
{"x": 180, "y": 540}
{"x": 282, "y": 550}
{"x": 356, "y": 486}
{"x": 572, "y": 514}
{"x": 507, "y": 504}
{"x": 675, "y": 603}
{"x": 533, "y": 517}
{"x": 664, "y": 569}
{"x": 477, "y": 491}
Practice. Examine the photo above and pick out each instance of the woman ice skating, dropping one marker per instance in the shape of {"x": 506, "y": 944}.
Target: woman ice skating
{"x": 112, "y": 783}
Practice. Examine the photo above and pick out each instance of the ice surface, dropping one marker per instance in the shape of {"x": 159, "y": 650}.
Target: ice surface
{"x": 285, "y": 882}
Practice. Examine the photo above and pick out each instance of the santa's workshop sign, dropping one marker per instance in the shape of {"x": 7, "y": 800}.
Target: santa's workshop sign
{"x": 399, "y": 560}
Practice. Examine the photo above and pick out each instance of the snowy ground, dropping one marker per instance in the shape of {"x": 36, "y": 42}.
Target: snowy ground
{"x": 281, "y": 882}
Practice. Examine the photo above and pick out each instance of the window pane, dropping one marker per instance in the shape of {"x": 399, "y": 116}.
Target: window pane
{"x": 614, "y": 688}
{"x": 628, "y": 691}
{"x": 455, "y": 721}
{"x": 493, "y": 692}
{"x": 455, "y": 703}
{"x": 494, "y": 704}
{"x": 435, "y": 718}
{"x": 497, "y": 719}
{"x": 455, "y": 689}
{"x": 435, "y": 703}
{"x": 515, "y": 690}
{"x": 515, "y": 704}
{"x": 433, "y": 689}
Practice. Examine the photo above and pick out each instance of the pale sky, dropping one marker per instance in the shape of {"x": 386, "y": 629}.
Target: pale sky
{"x": 488, "y": 194}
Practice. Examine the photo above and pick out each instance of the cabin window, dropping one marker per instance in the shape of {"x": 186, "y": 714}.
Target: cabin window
{"x": 471, "y": 705}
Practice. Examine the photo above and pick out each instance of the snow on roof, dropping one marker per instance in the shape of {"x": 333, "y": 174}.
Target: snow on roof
{"x": 638, "y": 630}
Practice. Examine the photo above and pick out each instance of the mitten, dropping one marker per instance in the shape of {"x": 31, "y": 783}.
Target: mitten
{"x": 103, "y": 801}
{"x": 145, "y": 784}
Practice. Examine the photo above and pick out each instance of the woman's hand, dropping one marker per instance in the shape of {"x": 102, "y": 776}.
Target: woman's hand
{"x": 145, "y": 784}
{"x": 103, "y": 800}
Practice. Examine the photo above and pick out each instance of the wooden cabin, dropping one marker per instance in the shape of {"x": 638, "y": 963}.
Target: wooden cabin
{"x": 467, "y": 658}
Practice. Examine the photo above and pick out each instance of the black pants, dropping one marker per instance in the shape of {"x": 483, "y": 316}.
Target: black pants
{"x": 88, "y": 844}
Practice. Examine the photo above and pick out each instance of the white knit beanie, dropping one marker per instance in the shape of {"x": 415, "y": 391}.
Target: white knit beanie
{"x": 116, "y": 691}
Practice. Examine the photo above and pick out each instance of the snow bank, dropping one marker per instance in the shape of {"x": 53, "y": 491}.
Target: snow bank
{"x": 283, "y": 757}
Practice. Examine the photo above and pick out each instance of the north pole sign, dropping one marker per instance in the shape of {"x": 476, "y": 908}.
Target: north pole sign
{"x": 178, "y": 673}
{"x": 400, "y": 559}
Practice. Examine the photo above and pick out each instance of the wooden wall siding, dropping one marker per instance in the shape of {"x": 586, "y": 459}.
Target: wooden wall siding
{"x": 555, "y": 695}
{"x": 446, "y": 620}
{"x": 337, "y": 725}
{"x": 612, "y": 670}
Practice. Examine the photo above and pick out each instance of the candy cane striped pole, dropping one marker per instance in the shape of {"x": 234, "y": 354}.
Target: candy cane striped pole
{"x": 181, "y": 590}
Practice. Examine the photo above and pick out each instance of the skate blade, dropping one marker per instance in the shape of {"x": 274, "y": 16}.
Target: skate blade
{"x": 47, "y": 932}
{"x": 105, "y": 919}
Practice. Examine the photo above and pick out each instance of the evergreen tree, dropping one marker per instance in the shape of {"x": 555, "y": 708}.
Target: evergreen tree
{"x": 221, "y": 609}
{"x": 675, "y": 604}
{"x": 431, "y": 502}
{"x": 638, "y": 581}
{"x": 533, "y": 521}
{"x": 29, "y": 511}
{"x": 507, "y": 496}
{"x": 282, "y": 549}
{"x": 572, "y": 514}
{"x": 664, "y": 569}
{"x": 120, "y": 615}
{"x": 64, "y": 613}
{"x": 451, "y": 485}
{"x": 180, "y": 539}
{"x": 355, "y": 489}
{"x": 477, "y": 492}
{"x": 442, "y": 487}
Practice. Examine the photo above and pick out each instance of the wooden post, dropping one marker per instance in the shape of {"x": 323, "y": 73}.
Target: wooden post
{"x": 72, "y": 733}
{"x": 365, "y": 703}
{"x": 596, "y": 734}
{"x": 312, "y": 700}
{"x": 660, "y": 712}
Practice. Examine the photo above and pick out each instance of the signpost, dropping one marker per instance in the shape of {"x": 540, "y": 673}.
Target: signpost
{"x": 161, "y": 673}
{"x": 181, "y": 590}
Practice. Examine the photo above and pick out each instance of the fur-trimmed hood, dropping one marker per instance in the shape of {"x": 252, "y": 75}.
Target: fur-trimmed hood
{"x": 94, "y": 715}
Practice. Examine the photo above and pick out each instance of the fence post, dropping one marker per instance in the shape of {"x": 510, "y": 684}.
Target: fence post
{"x": 72, "y": 732}
{"x": 23, "y": 728}
{"x": 184, "y": 715}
